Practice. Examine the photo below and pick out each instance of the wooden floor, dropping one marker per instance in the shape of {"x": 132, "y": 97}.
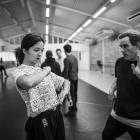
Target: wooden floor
{"x": 93, "y": 110}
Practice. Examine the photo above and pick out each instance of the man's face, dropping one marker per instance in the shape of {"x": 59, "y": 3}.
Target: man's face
{"x": 33, "y": 55}
{"x": 128, "y": 50}
{"x": 59, "y": 53}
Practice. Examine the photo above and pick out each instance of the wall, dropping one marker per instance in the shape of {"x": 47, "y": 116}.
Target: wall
{"x": 107, "y": 51}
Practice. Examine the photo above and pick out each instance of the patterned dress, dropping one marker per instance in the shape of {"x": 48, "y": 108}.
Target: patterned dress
{"x": 43, "y": 96}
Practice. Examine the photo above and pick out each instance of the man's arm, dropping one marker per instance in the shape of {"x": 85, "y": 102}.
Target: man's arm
{"x": 136, "y": 70}
{"x": 66, "y": 68}
{"x": 111, "y": 95}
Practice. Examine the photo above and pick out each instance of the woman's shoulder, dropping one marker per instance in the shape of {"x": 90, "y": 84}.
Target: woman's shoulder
{"x": 23, "y": 69}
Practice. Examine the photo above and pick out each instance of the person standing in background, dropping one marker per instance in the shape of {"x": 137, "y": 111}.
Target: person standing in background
{"x": 2, "y": 68}
{"x": 50, "y": 61}
{"x": 70, "y": 72}
{"x": 60, "y": 59}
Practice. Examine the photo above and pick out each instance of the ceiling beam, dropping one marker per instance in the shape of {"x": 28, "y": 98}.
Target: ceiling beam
{"x": 13, "y": 36}
{"x": 71, "y": 10}
{"x": 8, "y": 1}
{"x": 64, "y": 27}
{"x": 6, "y": 27}
{"x": 87, "y": 14}
{"x": 137, "y": 26}
{"x": 11, "y": 16}
{"x": 115, "y": 22}
{"x": 31, "y": 12}
{"x": 1, "y": 36}
{"x": 22, "y": 3}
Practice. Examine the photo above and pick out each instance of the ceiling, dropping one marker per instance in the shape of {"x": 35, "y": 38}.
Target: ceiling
{"x": 18, "y": 17}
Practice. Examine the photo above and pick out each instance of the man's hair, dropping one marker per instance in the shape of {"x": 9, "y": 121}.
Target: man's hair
{"x": 67, "y": 48}
{"x": 133, "y": 35}
{"x": 58, "y": 50}
{"x": 49, "y": 54}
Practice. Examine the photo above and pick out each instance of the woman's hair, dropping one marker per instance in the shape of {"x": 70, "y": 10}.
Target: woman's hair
{"x": 28, "y": 41}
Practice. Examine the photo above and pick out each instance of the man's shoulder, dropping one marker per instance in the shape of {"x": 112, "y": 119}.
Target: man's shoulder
{"x": 120, "y": 59}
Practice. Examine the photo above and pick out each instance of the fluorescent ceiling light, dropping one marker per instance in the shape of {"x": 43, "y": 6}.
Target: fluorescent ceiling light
{"x": 48, "y": 2}
{"x": 87, "y": 22}
{"x": 47, "y": 12}
{"x": 46, "y": 37}
{"x": 79, "y": 30}
{"x": 112, "y": 1}
{"x": 73, "y": 35}
{"x": 47, "y": 29}
{"x": 99, "y": 12}
{"x": 70, "y": 37}
{"x": 65, "y": 42}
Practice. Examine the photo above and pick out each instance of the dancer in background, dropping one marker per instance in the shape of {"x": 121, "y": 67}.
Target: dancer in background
{"x": 70, "y": 72}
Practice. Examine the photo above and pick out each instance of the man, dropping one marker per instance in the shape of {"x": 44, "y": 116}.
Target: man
{"x": 2, "y": 68}
{"x": 71, "y": 73}
{"x": 50, "y": 61}
{"x": 125, "y": 115}
{"x": 60, "y": 59}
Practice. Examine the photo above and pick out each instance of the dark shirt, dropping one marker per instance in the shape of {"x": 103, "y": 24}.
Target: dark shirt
{"x": 127, "y": 103}
{"x": 70, "y": 67}
{"x": 55, "y": 67}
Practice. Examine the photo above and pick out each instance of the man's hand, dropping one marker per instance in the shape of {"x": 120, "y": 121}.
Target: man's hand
{"x": 111, "y": 95}
{"x": 136, "y": 70}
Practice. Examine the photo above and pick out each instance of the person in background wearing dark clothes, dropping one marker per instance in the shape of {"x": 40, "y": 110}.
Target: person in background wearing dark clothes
{"x": 50, "y": 61}
{"x": 37, "y": 88}
{"x": 71, "y": 73}
{"x": 125, "y": 115}
{"x": 2, "y": 68}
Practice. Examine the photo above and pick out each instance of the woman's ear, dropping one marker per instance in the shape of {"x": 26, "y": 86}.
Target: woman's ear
{"x": 24, "y": 51}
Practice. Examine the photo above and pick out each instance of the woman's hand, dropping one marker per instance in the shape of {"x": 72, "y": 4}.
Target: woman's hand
{"x": 47, "y": 69}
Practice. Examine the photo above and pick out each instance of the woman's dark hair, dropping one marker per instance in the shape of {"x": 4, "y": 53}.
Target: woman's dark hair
{"x": 28, "y": 41}
{"x": 67, "y": 48}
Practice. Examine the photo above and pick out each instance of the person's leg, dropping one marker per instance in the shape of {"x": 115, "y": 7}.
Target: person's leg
{"x": 134, "y": 133}
{"x": 1, "y": 68}
{"x": 59, "y": 127}
{"x": 75, "y": 85}
{"x": 113, "y": 129}
{"x": 71, "y": 111}
{"x": 5, "y": 71}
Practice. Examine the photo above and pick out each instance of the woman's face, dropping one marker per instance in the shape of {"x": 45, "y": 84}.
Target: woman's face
{"x": 34, "y": 54}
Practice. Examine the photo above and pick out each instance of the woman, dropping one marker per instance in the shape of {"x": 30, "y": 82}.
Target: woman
{"x": 37, "y": 88}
